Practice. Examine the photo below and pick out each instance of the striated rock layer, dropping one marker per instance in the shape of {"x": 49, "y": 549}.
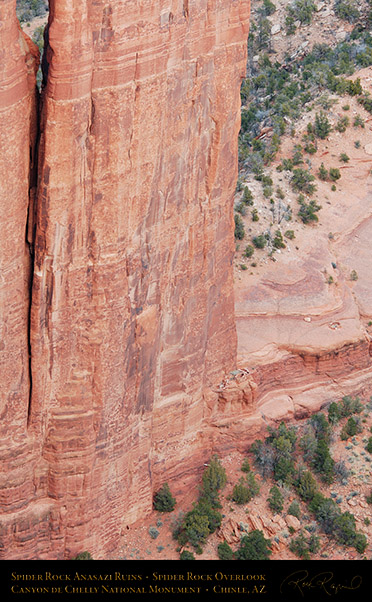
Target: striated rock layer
{"x": 131, "y": 315}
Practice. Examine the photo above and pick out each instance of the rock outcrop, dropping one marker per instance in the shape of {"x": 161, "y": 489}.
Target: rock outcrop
{"x": 105, "y": 367}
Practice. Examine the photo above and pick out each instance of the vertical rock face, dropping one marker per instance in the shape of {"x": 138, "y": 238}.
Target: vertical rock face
{"x": 132, "y": 304}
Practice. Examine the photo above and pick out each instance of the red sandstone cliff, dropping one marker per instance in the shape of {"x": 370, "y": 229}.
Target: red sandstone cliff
{"x": 131, "y": 316}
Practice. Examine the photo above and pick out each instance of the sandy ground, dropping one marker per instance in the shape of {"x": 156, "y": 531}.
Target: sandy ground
{"x": 274, "y": 296}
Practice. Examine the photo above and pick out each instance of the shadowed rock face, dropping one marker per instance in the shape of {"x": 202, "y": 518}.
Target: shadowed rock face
{"x": 131, "y": 315}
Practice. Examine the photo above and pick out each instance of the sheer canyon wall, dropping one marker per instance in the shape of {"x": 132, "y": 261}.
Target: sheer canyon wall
{"x": 116, "y": 292}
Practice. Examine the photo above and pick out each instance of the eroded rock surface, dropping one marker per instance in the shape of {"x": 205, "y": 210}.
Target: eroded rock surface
{"x": 131, "y": 315}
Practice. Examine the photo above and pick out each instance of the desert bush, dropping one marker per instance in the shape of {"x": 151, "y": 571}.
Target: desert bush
{"x": 301, "y": 181}
{"x": 249, "y": 250}
{"x": 253, "y": 547}
{"x": 321, "y": 427}
{"x": 300, "y": 547}
{"x": 342, "y": 124}
{"x": 334, "y": 174}
{"x": 83, "y": 556}
{"x": 346, "y": 10}
{"x": 369, "y": 445}
{"x": 187, "y": 555}
{"x": 247, "y": 196}
{"x": 241, "y": 208}
{"x": 27, "y": 10}
{"x": 334, "y": 414}
{"x": 275, "y": 500}
{"x": 224, "y": 551}
{"x": 278, "y": 242}
{"x": 259, "y": 241}
{"x": 302, "y": 10}
{"x": 323, "y": 462}
{"x": 358, "y": 121}
{"x": 163, "y": 500}
{"x": 307, "y": 211}
{"x": 213, "y": 480}
{"x": 340, "y": 470}
{"x": 353, "y": 275}
{"x": 308, "y": 443}
{"x": 239, "y": 227}
{"x": 268, "y": 8}
{"x": 305, "y": 485}
{"x": 294, "y": 509}
{"x": 245, "y": 467}
{"x": 322, "y": 126}
{"x": 264, "y": 457}
{"x": 245, "y": 489}
{"x": 153, "y": 532}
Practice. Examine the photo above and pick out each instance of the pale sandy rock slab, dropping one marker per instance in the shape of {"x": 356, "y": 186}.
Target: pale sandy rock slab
{"x": 293, "y": 522}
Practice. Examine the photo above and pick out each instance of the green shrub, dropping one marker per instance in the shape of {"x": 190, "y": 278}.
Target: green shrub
{"x": 289, "y": 234}
{"x": 241, "y": 208}
{"x": 299, "y": 546}
{"x": 196, "y": 527}
{"x": 247, "y": 196}
{"x": 153, "y": 532}
{"x": 369, "y": 445}
{"x": 346, "y": 10}
{"x": 259, "y": 241}
{"x": 334, "y": 414}
{"x": 275, "y": 500}
{"x": 278, "y": 242}
{"x": 321, "y": 427}
{"x": 290, "y": 27}
{"x": 369, "y": 498}
{"x": 268, "y": 8}
{"x": 334, "y": 174}
{"x": 344, "y": 158}
{"x": 245, "y": 489}
{"x": 253, "y": 547}
{"x": 307, "y": 211}
{"x": 301, "y": 181}
{"x": 264, "y": 457}
{"x": 284, "y": 468}
{"x": 302, "y": 10}
{"x": 239, "y": 227}
{"x": 213, "y": 480}
{"x": 224, "y": 551}
{"x": 306, "y": 486}
{"x": 323, "y": 173}
{"x": 323, "y": 462}
{"x": 322, "y": 126}
{"x": 245, "y": 467}
{"x": 83, "y": 556}
{"x": 249, "y": 250}
{"x": 255, "y": 217}
{"x": 163, "y": 500}
{"x": 342, "y": 124}
{"x": 308, "y": 444}
{"x": 353, "y": 275}
{"x": 358, "y": 121}
{"x": 187, "y": 555}
{"x": 294, "y": 509}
